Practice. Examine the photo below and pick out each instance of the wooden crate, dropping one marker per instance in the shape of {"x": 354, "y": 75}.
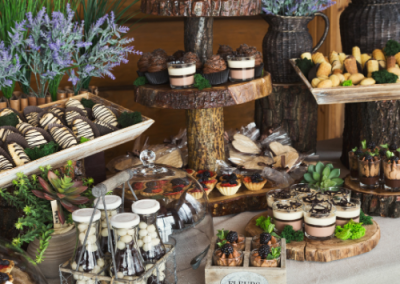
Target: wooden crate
{"x": 81, "y": 150}
{"x": 246, "y": 273}
{"x": 353, "y": 94}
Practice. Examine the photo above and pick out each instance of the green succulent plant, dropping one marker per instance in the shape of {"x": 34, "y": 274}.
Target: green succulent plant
{"x": 323, "y": 176}
{"x": 64, "y": 190}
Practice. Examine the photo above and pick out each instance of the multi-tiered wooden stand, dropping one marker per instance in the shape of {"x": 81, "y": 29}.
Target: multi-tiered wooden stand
{"x": 204, "y": 116}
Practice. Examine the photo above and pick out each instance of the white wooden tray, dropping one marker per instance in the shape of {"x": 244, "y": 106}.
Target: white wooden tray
{"x": 81, "y": 150}
{"x": 353, "y": 94}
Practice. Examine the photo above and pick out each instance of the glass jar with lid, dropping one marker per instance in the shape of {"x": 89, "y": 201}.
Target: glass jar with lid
{"x": 128, "y": 260}
{"x": 92, "y": 259}
{"x": 151, "y": 246}
{"x": 113, "y": 204}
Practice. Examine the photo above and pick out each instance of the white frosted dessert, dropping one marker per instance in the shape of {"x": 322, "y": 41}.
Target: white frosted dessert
{"x": 288, "y": 213}
{"x": 320, "y": 221}
{"x": 181, "y": 75}
{"x": 275, "y": 195}
{"x": 241, "y": 68}
{"x": 346, "y": 211}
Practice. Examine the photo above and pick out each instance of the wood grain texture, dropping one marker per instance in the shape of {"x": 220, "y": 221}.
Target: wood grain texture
{"x": 377, "y": 202}
{"x": 198, "y": 36}
{"x": 292, "y": 107}
{"x": 205, "y": 130}
{"x": 324, "y": 251}
{"x": 199, "y": 8}
{"x": 228, "y": 94}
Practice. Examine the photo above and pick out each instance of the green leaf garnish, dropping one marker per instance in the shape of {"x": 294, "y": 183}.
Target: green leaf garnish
{"x": 347, "y": 83}
{"x": 265, "y": 224}
{"x": 389, "y": 154}
{"x": 83, "y": 140}
{"x": 220, "y": 244}
{"x": 9, "y": 120}
{"x": 87, "y": 103}
{"x": 354, "y": 149}
{"x": 42, "y": 150}
{"x": 384, "y": 77}
{"x": 140, "y": 81}
{"x": 304, "y": 65}
{"x": 351, "y": 230}
{"x": 392, "y": 48}
{"x": 291, "y": 235}
{"x": 385, "y": 146}
{"x": 274, "y": 253}
{"x": 364, "y": 144}
{"x": 200, "y": 82}
{"x": 127, "y": 119}
{"x": 366, "y": 220}
{"x": 222, "y": 234}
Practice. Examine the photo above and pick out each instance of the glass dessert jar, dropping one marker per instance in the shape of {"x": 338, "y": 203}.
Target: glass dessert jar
{"x": 353, "y": 164}
{"x": 337, "y": 192}
{"x": 113, "y": 204}
{"x": 241, "y": 68}
{"x": 237, "y": 241}
{"x": 309, "y": 198}
{"x": 259, "y": 258}
{"x": 278, "y": 194}
{"x": 128, "y": 260}
{"x": 368, "y": 171}
{"x": 92, "y": 260}
{"x": 288, "y": 212}
{"x": 347, "y": 210}
{"x": 150, "y": 244}
{"x": 320, "y": 220}
{"x": 228, "y": 256}
{"x": 265, "y": 239}
{"x": 304, "y": 188}
{"x": 391, "y": 169}
{"x": 181, "y": 74}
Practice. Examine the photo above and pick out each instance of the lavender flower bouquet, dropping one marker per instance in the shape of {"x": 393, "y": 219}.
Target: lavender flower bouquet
{"x": 297, "y": 8}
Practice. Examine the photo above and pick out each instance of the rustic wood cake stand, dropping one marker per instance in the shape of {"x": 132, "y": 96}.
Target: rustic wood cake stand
{"x": 324, "y": 251}
{"x": 204, "y": 116}
{"x": 376, "y": 202}
{"x": 204, "y": 108}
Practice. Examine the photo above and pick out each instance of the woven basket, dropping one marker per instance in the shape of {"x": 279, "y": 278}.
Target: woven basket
{"x": 287, "y": 37}
{"x": 369, "y": 24}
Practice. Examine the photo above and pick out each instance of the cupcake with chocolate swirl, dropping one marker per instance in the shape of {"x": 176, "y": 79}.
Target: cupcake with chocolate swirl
{"x": 159, "y": 52}
{"x": 259, "y": 65}
{"x": 215, "y": 70}
{"x": 224, "y": 51}
{"x": 157, "y": 72}
{"x": 178, "y": 55}
{"x": 192, "y": 57}
{"x": 143, "y": 63}
{"x": 242, "y": 49}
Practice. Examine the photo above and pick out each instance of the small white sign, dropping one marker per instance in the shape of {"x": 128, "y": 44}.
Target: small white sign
{"x": 244, "y": 278}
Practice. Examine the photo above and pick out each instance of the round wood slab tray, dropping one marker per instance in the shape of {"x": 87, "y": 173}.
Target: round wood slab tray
{"x": 190, "y": 8}
{"x": 324, "y": 251}
{"x": 228, "y": 94}
{"x": 243, "y": 200}
{"x": 375, "y": 202}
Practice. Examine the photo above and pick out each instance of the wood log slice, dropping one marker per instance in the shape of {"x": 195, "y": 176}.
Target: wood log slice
{"x": 228, "y": 94}
{"x": 324, "y": 251}
{"x": 377, "y": 202}
{"x": 292, "y": 107}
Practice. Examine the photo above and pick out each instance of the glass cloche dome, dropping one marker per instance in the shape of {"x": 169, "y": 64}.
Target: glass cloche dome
{"x": 184, "y": 214}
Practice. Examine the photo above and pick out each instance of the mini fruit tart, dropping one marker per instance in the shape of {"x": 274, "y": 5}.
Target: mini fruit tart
{"x": 183, "y": 183}
{"x": 228, "y": 256}
{"x": 259, "y": 257}
{"x": 197, "y": 193}
{"x": 6, "y": 265}
{"x": 206, "y": 174}
{"x": 190, "y": 172}
{"x": 6, "y": 278}
{"x": 254, "y": 182}
{"x": 233, "y": 238}
{"x": 207, "y": 188}
{"x": 175, "y": 193}
{"x": 152, "y": 191}
{"x": 138, "y": 186}
{"x": 228, "y": 188}
{"x": 229, "y": 177}
{"x": 210, "y": 184}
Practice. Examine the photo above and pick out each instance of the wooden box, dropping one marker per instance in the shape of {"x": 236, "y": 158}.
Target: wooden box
{"x": 83, "y": 150}
{"x": 353, "y": 94}
{"x": 246, "y": 273}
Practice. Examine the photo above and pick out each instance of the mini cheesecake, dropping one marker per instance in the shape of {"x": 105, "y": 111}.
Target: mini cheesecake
{"x": 320, "y": 220}
{"x": 241, "y": 68}
{"x": 181, "y": 74}
{"x": 47, "y": 119}
{"x": 278, "y": 194}
{"x": 347, "y": 210}
{"x": 288, "y": 213}
{"x": 101, "y": 112}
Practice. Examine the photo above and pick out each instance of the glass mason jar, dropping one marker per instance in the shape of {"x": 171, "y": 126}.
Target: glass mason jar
{"x": 368, "y": 172}
{"x": 278, "y": 194}
{"x": 288, "y": 212}
{"x": 241, "y": 68}
{"x": 319, "y": 221}
{"x": 150, "y": 244}
{"x": 92, "y": 260}
{"x": 128, "y": 260}
{"x": 113, "y": 204}
{"x": 181, "y": 74}
{"x": 347, "y": 210}
{"x": 353, "y": 166}
{"x": 337, "y": 192}
{"x": 391, "y": 170}
{"x": 304, "y": 188}
{"x": 259, "y": 261}
{"x": 259, "y": 240}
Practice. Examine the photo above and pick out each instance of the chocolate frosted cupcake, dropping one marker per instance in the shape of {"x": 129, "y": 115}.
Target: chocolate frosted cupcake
{"x": 215, "y": 70}
{"x": 192, "y": 57}
{"x": 242, "y": 49}
{"x": 157, "y": 72}
{"x": 178, "y": 55}
{"x": 259, "y": 65}
{"x": 160, "y": 52}
{"x": 224, "y": 51}
{"x": 143, "y": 63}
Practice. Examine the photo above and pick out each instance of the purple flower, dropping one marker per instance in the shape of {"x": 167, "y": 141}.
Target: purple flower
{"x": 72, "y": 78}
{"x": 83, "y": 44}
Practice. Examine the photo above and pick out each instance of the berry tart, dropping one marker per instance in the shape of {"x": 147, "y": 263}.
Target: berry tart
{"x": 206, "y": 174}
{"x": 6, "y": 265}
{"x": 152, "y": 188}
{"x": 233, "y": 238}
{"x": 229, "y": 187}
{"x": 190, "y": 172}
{"x": 179, "y": 185}
{"x": 265, "y": 256}
{"x": 196, "y": 192}
{"x": 138, "y": 187}
{"x": 209, "y": 184}
{"x": 228, "y": 256}
{"x": 254, "y": 182}
{"x": 231, "y": 176}
{"x": 6, "y": 278}
{"x": 265, "y": 239}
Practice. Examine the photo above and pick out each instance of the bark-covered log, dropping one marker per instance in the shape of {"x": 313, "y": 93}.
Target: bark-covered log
{"x": 198, "y": 36}
{"x": 293, "y": 107}
{"x": 205, "y": 128}
{"x": 376, "y": 122}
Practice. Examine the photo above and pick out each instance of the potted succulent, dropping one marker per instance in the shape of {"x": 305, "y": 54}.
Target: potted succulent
{"x": 288, "y": 36}
{"x": 46, "y": 202}
{"x": 323, "y": 176}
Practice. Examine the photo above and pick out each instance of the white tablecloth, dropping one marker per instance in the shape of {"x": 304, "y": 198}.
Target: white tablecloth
{"x": 379, "y": 266}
